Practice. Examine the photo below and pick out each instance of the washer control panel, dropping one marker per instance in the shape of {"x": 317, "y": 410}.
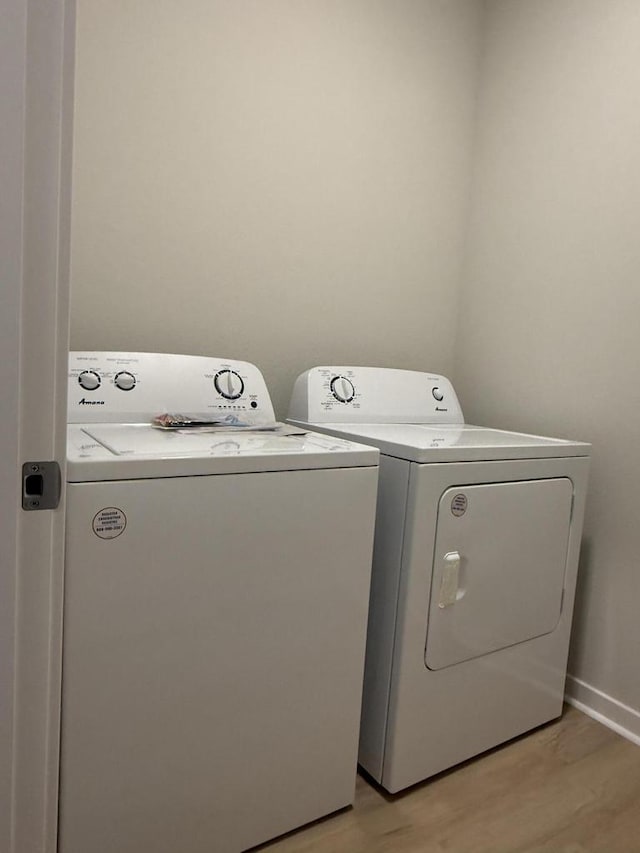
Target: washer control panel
{"x": 130, "y": 387}
{"x": 373, "y": 395}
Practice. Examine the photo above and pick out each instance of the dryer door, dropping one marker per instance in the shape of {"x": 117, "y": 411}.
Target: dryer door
{"x": 498, "y": 570}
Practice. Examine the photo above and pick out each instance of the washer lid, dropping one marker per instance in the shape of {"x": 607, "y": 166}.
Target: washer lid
{"x": 452, "y": 442}
{"x": 137, "y": 451}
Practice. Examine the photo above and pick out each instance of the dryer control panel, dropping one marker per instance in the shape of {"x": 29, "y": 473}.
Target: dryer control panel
{"x": 373, "y": 395}
{"x": 130, "y": 387}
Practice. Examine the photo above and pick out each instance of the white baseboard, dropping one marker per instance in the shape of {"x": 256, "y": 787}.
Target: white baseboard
{"x": 605, "y": 709}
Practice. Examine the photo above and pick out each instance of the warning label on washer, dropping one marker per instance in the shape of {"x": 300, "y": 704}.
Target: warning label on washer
{"x": 459, "y": 504}
{"x": 109, "y": 522}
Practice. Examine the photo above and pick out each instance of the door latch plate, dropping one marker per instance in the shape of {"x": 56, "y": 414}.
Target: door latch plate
{"x": 41, "y": 485}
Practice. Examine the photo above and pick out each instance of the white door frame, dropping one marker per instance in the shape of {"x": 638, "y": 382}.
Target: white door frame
{"x": 37, "y": 48}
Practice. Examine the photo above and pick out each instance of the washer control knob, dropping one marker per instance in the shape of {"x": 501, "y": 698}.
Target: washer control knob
{"x": 229, "y": 384}
{"x": 342, "y": 389}
{"x": 124, "y": 380}
{"x": 437, "y": 394}
{"x": 89, "y": 380}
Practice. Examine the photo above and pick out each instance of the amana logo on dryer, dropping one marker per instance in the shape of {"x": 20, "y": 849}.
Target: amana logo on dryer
{"x": 85, "y": 402}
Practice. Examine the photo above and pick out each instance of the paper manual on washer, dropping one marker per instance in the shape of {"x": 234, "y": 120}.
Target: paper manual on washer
{"x": 230, "y": 422}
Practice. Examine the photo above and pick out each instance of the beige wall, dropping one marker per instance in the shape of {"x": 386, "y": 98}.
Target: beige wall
{"x": 549, "y": 334}
{"x": 283, "y": 182}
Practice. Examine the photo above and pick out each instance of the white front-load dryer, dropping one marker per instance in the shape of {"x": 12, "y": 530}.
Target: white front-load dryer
{"x": 215, "y": 609}
{"x": 474, "y": 570}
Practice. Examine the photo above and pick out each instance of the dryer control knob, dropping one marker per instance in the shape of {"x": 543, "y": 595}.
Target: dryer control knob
{"x": 342, "y": 389}
{"x": 124, "y": 380}
{"x": 89, "y": 380}
{"x": 437, "y": 394}
{"x": 229, "y": 384}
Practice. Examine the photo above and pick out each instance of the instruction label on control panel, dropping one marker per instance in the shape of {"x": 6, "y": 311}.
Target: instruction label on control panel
{"x": 109, "y": 523}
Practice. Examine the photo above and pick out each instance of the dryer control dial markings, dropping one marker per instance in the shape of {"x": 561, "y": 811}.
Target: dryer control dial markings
{"x": 89, "y": 380}
{"x": 342, "y": 389}
{"x": 229, "y": 384}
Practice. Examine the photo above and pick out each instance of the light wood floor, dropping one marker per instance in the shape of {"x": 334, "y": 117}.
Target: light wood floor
{"x": 572, "y": 786}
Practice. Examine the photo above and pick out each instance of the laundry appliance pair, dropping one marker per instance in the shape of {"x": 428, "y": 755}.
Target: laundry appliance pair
{"x": 217, "y": 585}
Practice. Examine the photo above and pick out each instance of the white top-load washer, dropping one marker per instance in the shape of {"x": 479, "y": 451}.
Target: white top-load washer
{"x": 216, "y": 594}
{"x": 474, "y": 569}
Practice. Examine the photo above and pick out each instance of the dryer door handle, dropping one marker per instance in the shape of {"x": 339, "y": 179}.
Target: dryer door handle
{"x": 450, "y": 577}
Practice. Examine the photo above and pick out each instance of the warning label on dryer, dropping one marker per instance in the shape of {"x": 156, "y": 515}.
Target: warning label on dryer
{"x": 109, "y": 523}
{"x": 459, "y": 505}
